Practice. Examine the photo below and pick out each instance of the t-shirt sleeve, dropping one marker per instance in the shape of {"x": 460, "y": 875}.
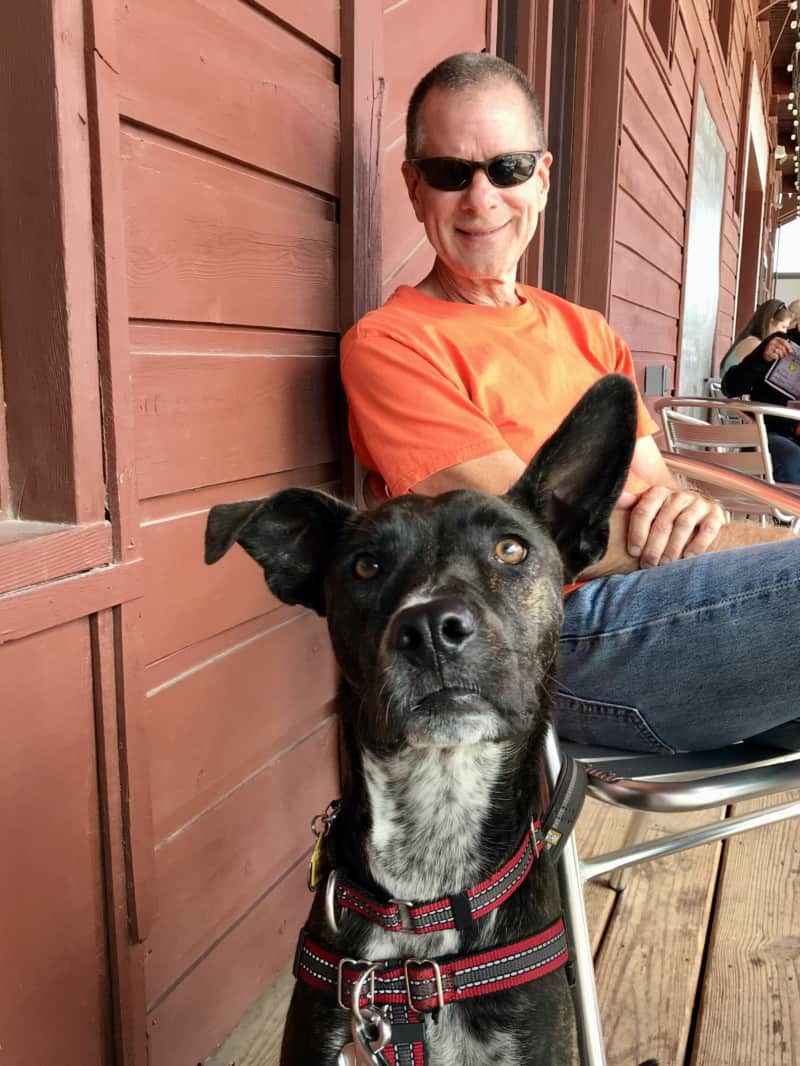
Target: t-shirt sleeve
{"x": 623, "y": 364}
{"x": 408, "y": 417}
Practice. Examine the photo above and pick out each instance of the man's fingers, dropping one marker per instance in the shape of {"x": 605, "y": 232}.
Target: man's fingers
{"x": 666, "y": 525}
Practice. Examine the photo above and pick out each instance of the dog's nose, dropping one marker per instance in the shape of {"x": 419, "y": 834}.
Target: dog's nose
{"x": 441, "y": 627}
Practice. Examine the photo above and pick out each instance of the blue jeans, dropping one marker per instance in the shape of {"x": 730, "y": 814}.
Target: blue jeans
{"x": 785, "y": 455}
{"x": 694, "y": 654}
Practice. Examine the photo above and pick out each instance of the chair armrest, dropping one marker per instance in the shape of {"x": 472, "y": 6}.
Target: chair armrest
{"x": 734, "y": 490}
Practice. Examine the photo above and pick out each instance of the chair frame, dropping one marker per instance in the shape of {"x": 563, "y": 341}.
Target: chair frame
{"x": 733, "y": 435}
{"x": 666, "y": 783}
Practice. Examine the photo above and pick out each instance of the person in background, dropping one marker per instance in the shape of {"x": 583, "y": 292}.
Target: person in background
{"x": 457, "y": 382}
{"x": 773, "y": 316}
{"x": 747, "y": 374}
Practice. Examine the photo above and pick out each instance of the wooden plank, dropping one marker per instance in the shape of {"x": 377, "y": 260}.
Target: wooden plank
{"x": 126, "y": 960}
{"x": 256, "y": 1040}
{"x": 207, "y": 420}
{"x": 34, "y": 552}
{"x": 644, "y": 329}
{"x": 56, "y": 602}
{"x": 319, "y": 20}
{"x": 402, "y": 232}
{"x": 211, "y": 242}
{"x": 648, "y": 190}
{"x": 412, "y": 270}
{"x": 280, "y": 681}
{"x": 645, "y": 132}
{"x": 410, "y": 54}
{"x": 636, "y": 280}
{"x": 198, "y": 1013}
{"x": 112, "y": 306}
{"x": 653, "y": 952}
{"x": 638, "y": 230}
{"x": 52, "y": 921}
{"x": 216, "y": 868}
{"x": 47, "y": 295}
{"x": 673, "y": 121}
{"x": 266, "y": 97}
{"x": 749, "y": 1006}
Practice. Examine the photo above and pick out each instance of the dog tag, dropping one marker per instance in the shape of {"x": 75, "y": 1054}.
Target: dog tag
{"x": 315, "y": 864}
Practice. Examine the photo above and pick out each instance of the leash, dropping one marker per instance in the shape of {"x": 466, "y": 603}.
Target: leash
{"x": 411, "y": 988}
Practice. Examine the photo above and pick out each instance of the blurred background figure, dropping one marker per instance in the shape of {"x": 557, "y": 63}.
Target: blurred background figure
{"x": 773, "y": 316}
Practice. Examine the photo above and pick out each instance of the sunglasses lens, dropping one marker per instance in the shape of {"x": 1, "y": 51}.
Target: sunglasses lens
{"x": 508, "y": 170}
{"x": 446, "y": 174}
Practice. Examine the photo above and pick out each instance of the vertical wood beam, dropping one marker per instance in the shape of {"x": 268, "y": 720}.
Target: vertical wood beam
{"x": 595, "y": 158}
{"x": 47, "y": 307}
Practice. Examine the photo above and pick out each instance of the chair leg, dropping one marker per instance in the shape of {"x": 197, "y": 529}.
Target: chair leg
{"x": 587, "y": 1008}
{"x": 637, "y": 829}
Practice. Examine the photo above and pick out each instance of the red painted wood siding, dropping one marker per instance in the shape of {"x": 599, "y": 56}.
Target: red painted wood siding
{"x": 229, "y": 154}
{"x": 653, "y": 178}
{"x": 417, "y": 34}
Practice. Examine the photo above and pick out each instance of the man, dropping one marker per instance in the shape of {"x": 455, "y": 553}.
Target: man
{"x": 457, "y": 383}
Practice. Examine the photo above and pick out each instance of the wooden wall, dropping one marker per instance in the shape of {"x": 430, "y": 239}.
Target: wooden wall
{"x": 653, "y": 180}
{"x": 417, "y": 34}
{"x": 228, "y": 162}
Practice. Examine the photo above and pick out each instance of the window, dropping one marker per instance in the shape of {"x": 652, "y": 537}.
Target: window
{"x": 722, "y": 18}
{"x": 661, "y": 16}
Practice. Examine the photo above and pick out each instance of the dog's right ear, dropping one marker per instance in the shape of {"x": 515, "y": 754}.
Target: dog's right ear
{"x": 290, "y": 534}
{"x": 574, "y": 480}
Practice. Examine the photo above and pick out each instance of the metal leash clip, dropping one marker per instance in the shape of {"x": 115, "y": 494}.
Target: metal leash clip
{"x": 370, "y": 1030}
{"x": 320, "y": 827}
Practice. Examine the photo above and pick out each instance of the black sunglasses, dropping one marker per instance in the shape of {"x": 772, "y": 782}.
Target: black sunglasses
{"x": 503, "y": 171}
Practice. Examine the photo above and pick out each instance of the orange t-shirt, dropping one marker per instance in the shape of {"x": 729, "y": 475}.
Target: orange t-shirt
{"x": 430, "y": 383}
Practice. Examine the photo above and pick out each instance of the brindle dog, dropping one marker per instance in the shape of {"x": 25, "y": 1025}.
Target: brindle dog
{"x": 444, "y": 614}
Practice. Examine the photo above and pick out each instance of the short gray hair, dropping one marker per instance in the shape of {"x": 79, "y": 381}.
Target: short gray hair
{"x": 468, "y": 70}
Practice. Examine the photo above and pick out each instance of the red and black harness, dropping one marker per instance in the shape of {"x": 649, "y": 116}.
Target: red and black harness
{"x": 407, "y": 989}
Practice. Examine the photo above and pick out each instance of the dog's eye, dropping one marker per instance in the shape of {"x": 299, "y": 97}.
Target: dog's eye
{"x": 510, "y": 550}
{"x": 366, "y": 567}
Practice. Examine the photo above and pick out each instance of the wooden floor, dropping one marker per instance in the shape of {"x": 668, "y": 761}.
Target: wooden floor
{"x": 698, "y": 961}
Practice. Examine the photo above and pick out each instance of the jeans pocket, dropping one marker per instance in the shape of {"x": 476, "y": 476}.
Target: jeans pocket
{"x": 612, "y": 725}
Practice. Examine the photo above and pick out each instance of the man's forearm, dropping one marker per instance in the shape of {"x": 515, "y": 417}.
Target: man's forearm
{"x": 734, "y": 535}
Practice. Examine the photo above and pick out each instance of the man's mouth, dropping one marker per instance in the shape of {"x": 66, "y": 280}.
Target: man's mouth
{"x": 480, "y": 234}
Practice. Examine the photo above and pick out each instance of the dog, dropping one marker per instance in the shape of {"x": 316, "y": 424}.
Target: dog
{"x": 444, "y": 615}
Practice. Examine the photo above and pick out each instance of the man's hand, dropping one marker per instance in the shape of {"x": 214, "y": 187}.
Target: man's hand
{"x": 668, "y": 524}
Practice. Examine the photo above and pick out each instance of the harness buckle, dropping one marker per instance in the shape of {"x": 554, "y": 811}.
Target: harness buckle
{"x": 437, "y": 976}
{"x": 404, "y": 911}
{"x": 358, "y": 984}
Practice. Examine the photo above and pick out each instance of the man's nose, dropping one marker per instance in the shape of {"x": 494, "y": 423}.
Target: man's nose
{"x": 479, "y": 191}
{"x": 429, "y": 632}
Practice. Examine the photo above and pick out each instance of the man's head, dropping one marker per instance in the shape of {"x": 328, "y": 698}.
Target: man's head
{"x": 476, "y": 107}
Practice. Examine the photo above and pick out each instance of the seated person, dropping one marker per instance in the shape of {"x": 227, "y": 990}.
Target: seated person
{"x": 457, "y": 382}
{"x": 751, "y": 375}
{"x": 773, "y": 316}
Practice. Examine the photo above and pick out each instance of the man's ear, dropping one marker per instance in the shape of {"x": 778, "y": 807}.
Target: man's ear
{"x": 574, "y": 480}
{"x": 412, "y": 180}
{"x": 291, "y": 534}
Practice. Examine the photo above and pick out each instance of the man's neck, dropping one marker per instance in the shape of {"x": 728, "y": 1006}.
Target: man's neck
{"x": 441, "y": 284}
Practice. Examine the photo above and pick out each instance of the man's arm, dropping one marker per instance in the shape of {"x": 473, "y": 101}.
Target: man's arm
{"x": 645, "y": 530}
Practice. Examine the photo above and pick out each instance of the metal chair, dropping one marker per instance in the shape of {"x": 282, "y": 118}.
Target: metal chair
{"x": 666, "y": 783}
{"x": 730, "y": 434}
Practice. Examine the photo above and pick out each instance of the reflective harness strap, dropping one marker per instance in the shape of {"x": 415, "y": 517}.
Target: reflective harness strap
{"x": 451, "y": 912}
{"x": 414, "y": 987}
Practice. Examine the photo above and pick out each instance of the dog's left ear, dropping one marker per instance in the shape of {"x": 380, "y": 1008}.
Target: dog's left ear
{"x": 573, "y": 481}
{"x": 291, "y": 534}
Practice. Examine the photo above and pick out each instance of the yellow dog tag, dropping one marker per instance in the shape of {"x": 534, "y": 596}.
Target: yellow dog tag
{"x": 316, "y": 863}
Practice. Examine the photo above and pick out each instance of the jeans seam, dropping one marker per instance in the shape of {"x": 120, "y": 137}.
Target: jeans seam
{"x": 599, "y": 709}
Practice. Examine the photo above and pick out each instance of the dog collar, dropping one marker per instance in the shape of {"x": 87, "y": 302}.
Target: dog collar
{"x": 410, "y": 988}
{"x": 451, "y": 912}
{"x": 461, "y": 910}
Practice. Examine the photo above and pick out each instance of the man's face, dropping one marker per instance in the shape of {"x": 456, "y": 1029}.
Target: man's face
{"x": 481, "y": 231}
